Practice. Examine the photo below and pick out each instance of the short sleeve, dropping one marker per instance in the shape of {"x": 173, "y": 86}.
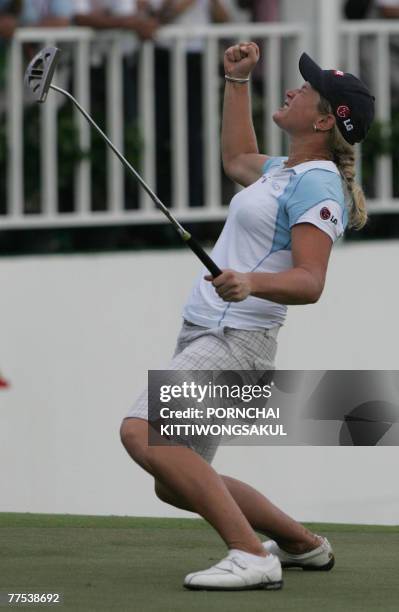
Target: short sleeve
{"x": 317, "y": 197}
{"x": 327, "y": 216}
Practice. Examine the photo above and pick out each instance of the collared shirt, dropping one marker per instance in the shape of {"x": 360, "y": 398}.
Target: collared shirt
{"x": 257, "y": 237}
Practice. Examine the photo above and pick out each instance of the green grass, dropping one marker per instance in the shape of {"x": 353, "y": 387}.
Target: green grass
{"x": 137, "y": 564}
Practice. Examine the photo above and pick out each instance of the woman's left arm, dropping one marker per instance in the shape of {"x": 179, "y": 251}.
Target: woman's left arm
{"x": 301, "y": 284}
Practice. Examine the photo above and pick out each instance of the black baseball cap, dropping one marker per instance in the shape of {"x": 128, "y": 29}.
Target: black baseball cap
{"x": 351, "y": 101}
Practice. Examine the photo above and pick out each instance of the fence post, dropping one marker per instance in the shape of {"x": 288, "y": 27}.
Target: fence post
{"x": 15, "y": 150}
{"x": 329, "y": 16}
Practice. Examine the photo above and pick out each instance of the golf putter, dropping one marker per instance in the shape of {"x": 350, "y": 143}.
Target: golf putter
{"x": 38, "y": 76}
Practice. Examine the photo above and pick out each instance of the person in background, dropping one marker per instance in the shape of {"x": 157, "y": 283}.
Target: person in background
{"x": 389, "y": 9}
{"x": 39, "y": 13}
{"x": 182, "y": 11}
{"x": 357, "y": 9}
{"x": 121, "y": 14}
{"x": 10, "y": 11}
{"x": 28, "y": 13}
{"x": 124, "y": 15}
{"x": 261, "y": 10}
{"x": 186, "y": 13}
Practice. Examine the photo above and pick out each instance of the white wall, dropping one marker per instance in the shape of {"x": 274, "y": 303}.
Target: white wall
{"x": 78, "y": 335}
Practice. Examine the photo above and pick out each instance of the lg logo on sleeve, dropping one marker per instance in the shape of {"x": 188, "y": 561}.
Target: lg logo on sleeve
{"x": 326, "y": 215}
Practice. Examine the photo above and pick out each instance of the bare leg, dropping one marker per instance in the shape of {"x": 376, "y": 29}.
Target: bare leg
{"x": 184, "y": 472}
{"x": 266, "y": 518}
{"x": 263, "y": 516}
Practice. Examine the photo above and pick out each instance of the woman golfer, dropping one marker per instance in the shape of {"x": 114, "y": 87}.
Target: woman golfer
{"x": 273, "y": 251}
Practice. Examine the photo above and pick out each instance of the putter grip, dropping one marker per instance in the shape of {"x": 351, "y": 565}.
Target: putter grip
{"x": 204, "y": 257}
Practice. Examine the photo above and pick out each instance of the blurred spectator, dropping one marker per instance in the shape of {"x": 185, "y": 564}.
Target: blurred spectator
{"x": 9, "y": 16}
{"x": 357, "y": 9}
{"x": 106, "y": 14}
{"x": 191, "y": 12}
{"x": 120, "y": 14}
{"x": 261, "y": 10}
{"x": 43, "y": 13}
{"x": 46, "y": 13}
{"x": 124, "y": 15}
{"x": 389, "y": 9}
{"x": 186, "y": 13}
{"x": 15, "y": 13}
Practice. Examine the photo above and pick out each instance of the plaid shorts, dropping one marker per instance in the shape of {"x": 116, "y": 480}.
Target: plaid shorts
{"x": 220, "y": 348}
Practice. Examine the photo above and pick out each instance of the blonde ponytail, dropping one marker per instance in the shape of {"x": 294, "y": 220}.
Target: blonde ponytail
{"x": 344, "y": 157}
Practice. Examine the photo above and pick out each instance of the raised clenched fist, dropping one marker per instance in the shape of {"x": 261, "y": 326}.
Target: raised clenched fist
{"x": 240, "y": 60}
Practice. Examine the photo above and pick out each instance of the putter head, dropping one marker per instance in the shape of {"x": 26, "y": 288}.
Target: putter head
{"x": 40, "y": 71}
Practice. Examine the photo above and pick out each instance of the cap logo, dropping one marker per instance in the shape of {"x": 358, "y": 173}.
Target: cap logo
{"x": 343, "y": 111}
{"x": 325, "y": 213}
{"x": 338, "y": 73}
{"x": 348, "y": 125}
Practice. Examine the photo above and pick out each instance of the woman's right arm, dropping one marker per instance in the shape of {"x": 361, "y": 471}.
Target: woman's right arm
{"x": 242, "y": 161}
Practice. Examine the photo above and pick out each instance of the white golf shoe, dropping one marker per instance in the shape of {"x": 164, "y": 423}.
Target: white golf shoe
{"x": 319, "y": 559}
{"x": 238, "y": 571}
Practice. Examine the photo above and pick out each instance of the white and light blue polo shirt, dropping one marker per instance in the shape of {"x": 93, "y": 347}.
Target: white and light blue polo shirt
{"x": 257, "y": 237}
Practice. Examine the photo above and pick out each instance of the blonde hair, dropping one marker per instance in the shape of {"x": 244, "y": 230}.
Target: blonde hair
{"x": 344, "y": 156}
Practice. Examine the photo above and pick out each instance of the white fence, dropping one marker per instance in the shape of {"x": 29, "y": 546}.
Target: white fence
{"x": 281, "y": 44}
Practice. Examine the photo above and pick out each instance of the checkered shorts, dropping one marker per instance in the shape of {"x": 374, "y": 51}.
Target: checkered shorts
{"x": 220, "y": 348}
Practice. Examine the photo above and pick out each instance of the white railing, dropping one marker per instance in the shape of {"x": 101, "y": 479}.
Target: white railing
{"x": 273, "y": 37}
{"x": 366, "y": 50}
{"x": 281, "y": 44}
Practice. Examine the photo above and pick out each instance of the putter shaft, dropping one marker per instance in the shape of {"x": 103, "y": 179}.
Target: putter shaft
{"x": 185, "y": 235}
